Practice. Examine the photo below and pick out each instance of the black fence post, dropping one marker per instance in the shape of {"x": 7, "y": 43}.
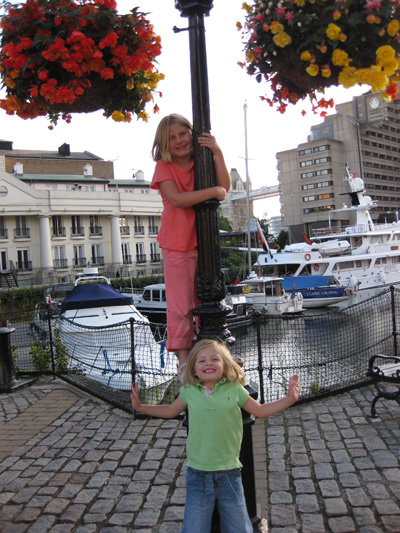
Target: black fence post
{"x": 260, "y": 361}
{"x": 133, "y": 366}
{"x": 392, "y": 293}
{"x": 8, "y": 380}
{"x": 51, "y": 344}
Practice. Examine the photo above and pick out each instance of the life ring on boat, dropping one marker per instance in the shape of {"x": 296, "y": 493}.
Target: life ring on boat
{"x": 307, "y": 257}
{"x": 316, "y": 268}
{"x": 246, "y": 289}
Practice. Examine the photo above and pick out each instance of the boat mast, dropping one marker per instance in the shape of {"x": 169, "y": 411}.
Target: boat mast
{"x": 247, "y": 188}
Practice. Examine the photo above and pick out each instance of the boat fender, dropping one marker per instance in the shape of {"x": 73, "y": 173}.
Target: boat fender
{"x": 307, "y": 257}
{"x": 246, "y": 289}
{"x": 316, "y": 268}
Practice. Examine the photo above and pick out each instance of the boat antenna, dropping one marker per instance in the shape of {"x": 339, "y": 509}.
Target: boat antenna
{"x": 246, "y": 158}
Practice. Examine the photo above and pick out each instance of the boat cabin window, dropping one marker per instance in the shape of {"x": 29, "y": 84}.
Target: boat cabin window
{"x": 156, "y": 295}
{"x": 376, "y": 239}
{"x": 147, "y": 295}
{"x": 164, "y": 299}
{"x": 286, "y": 270}
{"x": 381, "y": 261}
{"x": 313, "y": 269}
{"x": 350, "y": 265}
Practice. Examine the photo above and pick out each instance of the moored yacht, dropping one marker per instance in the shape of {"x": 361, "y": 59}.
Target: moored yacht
{"x": 364, "y": 257}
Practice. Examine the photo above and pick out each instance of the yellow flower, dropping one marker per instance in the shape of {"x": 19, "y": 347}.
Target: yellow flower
{"x": 391, "y": 67}
{"x": 249, "y": 56}
{"x": 364, "y": 76}
{"x": 340, "y": 58}
{"x": 326, "y": 71}
{"x": 336, "y": 15}
{"x": 118, "y": 116}
{"x": 282, "y": 39}
{"x": 144, "y": 116}
{"x": 333, "y": 32}
{"x": 379, "y": 81}
{"x": 385, "y": 54}
{"x": 130, "y": 85}
{"x": 348, "y": 77}
{"x": 276, "y": 27}
{"x": 312, "y": 70}
{"x": 305, "y": 56}
{"x": 246, "y": 7}
{"x": 300, "y": 3}
{"x": 393, "y": 27}
{"x": 238, "y": 26}
{"x": 342, "y": 37}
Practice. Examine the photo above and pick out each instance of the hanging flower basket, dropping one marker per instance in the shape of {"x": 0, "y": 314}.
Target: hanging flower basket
{"x": 301, "y": 47}
{"x": 59, "y": 57}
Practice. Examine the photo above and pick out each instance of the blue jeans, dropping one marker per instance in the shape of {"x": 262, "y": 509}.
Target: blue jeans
{"x": 203, "y": 489}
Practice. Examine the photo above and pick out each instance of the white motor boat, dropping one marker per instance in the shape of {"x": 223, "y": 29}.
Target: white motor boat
{"x": 267, "y": 295}
{"x": 104, "y": 333}
{"x": 364, "y": 257}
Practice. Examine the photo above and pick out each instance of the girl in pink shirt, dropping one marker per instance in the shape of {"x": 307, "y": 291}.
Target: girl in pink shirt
{"x": 174, "y": 177}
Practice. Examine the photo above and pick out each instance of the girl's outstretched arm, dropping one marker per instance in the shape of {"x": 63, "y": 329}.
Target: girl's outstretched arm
{"x": 157, "y": 411}
{"x": 268, "y": 409}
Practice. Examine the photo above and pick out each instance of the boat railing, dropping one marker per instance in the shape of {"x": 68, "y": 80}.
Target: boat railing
{"x": 339, "y": 230}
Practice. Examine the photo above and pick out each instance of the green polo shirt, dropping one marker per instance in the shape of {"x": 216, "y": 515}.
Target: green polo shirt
{"x": 215, "y": 425}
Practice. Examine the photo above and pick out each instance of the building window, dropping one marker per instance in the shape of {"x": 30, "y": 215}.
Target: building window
{"x": 3, "y": 260}
{"x": 126, "y": 256}
{"x": 23, "y": 262}
{"x": 325, "y": 196}
{"x": 325, "y": 184}
{"x": 60, "y": 260}
{"x": 309, "y": 210}
{"x": 305, "y": 151}
{"x": 323, "y": 172}
{"x": 306, "y": 163}
{"x": 58, "y": 228}
{"x": 21, "y": 227}
{"x": 79, "y": 256}
{"x": 140, "y": 255}
{"x": 309, "y": 186}
{"x": 153, "y": 228}
{"x": 321, "y": 148}
{"x": 139, "y": 228}
{"x": 307, "y": 175}
{"x": 97, "y": 255}
{"x": 321, "y": 160}
{"x": 76, "y": 227}
{"x": 308, "y": 198}
{"x": 155, "y": 256}
{"x": 95, "y": 228}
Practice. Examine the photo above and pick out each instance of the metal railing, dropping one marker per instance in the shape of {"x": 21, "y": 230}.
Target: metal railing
{"x": 329, "y": 351}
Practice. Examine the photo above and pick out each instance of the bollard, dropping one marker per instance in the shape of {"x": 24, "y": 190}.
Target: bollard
{"x": 8, "y": 380}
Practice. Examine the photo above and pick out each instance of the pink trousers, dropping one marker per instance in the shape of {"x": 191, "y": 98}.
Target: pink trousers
{"x": 180, "y": 269}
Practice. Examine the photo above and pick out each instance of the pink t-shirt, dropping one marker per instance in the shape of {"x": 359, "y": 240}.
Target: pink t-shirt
{"x": 178, "y": 224}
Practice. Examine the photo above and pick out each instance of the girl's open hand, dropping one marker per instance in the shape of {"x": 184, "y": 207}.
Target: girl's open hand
{"x": 135, "y": 397}
{"x": 294, "y": 388}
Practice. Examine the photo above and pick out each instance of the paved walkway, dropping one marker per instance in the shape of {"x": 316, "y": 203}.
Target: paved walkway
{"x": 69, "y": 462}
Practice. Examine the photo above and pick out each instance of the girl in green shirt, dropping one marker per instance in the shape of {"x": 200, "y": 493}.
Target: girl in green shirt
{"x": 213, "y": 393}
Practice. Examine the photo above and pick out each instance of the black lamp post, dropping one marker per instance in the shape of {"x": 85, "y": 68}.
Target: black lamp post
{"x": 211, "y": 287}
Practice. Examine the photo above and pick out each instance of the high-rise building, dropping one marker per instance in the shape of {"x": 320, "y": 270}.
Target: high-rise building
{"x": 364, "y": 135}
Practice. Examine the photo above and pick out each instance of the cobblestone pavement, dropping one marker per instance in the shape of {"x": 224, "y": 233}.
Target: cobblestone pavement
{"x": 69, "y": 462}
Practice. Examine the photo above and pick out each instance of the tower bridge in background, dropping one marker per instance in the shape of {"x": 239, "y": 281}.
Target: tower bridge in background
{"x": 263, "y": 192}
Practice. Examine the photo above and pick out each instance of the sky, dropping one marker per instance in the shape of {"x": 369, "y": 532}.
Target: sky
{"x": 230, "y": 87}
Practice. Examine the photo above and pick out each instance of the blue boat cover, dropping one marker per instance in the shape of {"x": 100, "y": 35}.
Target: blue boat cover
{"x": 90, "y": 295}
{"x": 304, "y": 282}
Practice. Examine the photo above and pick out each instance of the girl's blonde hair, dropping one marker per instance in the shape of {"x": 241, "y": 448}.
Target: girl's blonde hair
{"x": 232, "y": 370}
{"x": 160, "y": 148}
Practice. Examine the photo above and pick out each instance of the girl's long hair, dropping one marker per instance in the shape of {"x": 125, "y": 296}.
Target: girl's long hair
{"x": 232, "y": 371}
{"x": 160, "y": 148}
